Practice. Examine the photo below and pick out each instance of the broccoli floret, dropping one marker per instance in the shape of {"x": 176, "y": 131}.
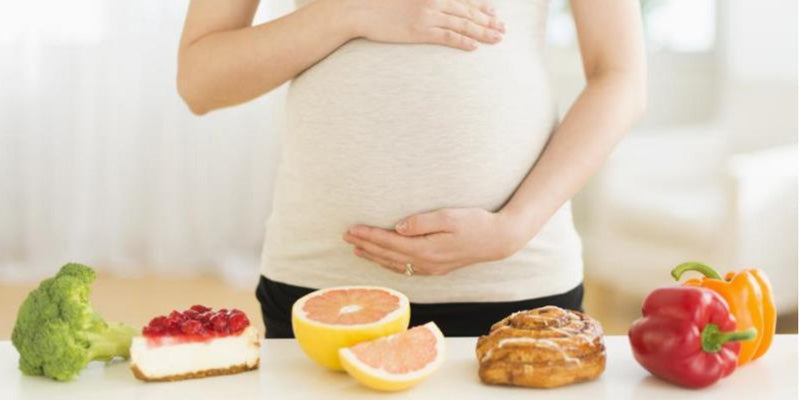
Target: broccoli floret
{"x": 58, "y": 332}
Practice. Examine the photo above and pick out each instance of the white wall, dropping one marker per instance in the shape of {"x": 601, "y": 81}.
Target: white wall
{"x": 758, "y": 61}
{"x": 759, "y": 39}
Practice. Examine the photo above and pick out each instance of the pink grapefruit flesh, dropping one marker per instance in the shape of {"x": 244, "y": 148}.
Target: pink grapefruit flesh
{"x": 353, "y": 306}
{"x": 399, "y": 354}
{"x": 396, "y": 362}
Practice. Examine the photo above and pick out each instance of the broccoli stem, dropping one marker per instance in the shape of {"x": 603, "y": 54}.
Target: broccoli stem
{"x": 112, "y": 340}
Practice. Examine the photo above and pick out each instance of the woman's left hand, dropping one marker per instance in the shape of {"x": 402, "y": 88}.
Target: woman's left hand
{"x": 440, "y": 241}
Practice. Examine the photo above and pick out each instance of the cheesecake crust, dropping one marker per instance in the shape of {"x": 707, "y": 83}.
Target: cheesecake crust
{"x": 196, "y": 374}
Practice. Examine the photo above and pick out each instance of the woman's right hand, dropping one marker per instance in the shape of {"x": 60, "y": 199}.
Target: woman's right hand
{"x": 461, "y": 24}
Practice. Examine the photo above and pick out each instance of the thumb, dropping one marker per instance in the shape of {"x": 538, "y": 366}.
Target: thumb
{"x": 425, "y": 223}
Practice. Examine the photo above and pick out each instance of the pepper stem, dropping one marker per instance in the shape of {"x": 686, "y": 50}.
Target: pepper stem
{"x": 707, "y": 271}
{"x": 712, "y": 339}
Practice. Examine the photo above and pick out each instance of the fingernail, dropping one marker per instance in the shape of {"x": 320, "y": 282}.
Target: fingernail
{"x": 495, "y": 35}
{"x": 472, "y": 45}
{"x": 502, "y": 26}
{"x": 401, "y": 226}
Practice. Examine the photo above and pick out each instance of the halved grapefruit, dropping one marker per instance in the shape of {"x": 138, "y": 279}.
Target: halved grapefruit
{"x": 327, "y": 320}
{"x": 398, "y": 361}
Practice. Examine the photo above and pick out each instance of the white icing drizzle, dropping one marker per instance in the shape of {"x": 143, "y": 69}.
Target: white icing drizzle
{"x": 575, "y": 334}
{"x": 513, "y": 340}
{"x": 533, "y": 342}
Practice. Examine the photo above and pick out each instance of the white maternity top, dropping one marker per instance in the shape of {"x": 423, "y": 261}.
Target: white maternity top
{"x": 378, "y": 132}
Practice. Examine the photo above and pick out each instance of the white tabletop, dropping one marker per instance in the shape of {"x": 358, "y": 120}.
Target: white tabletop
{"x": 286, "y": 373}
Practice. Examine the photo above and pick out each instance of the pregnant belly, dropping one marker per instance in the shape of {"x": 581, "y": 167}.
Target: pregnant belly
{"x": 377, "y": 132}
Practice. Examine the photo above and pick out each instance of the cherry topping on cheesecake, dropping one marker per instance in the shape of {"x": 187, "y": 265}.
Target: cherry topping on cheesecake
{"x": 197, "y": 323}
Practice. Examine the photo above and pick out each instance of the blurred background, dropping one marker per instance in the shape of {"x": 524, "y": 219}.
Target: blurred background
{"x": 101, "y": 163}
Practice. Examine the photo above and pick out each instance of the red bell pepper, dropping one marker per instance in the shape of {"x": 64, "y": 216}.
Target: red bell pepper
{"x": 686, "y": 336}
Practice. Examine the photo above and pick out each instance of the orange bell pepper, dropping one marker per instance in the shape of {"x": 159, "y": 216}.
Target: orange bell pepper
{"x": 749, "y": 296}
{"x": 770, "y": 313}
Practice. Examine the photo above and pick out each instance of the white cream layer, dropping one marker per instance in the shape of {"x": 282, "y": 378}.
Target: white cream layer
{"x": 182, "y": 358}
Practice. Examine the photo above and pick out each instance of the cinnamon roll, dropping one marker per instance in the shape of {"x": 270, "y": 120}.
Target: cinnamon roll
{"x": 543, "y": 348}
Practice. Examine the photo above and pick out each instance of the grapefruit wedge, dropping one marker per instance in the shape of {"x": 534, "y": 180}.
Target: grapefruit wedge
{"x": 398, "y": 361}
{"x": 327, "y": 320}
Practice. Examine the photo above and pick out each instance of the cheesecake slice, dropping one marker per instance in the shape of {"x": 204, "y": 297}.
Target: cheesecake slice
{"x": 196, "y": 343}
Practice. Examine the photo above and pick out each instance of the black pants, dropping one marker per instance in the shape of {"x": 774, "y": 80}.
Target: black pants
{"x": 454, "y": 319}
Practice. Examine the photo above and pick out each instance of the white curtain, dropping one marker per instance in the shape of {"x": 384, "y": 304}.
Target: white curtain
{"x": 101, "y": 163}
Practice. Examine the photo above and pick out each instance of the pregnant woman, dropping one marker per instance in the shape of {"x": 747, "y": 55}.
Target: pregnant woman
{"x": 423, "y": 151}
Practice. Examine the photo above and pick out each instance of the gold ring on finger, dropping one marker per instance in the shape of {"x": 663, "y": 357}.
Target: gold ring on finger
{"x": 409, "y": 269}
